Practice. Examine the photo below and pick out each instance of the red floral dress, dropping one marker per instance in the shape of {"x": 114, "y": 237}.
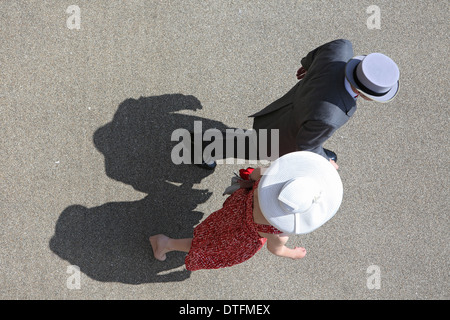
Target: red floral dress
{"x": 228, "y": 236}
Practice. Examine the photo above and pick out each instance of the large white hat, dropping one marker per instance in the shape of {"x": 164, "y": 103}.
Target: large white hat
{"x": 299, "y": 192}
{"x": 375, "y": 75}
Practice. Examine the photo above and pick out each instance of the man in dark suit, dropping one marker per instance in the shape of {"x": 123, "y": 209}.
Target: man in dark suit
{"x": 331, "y": 79}
{"x": 325, "y": 98}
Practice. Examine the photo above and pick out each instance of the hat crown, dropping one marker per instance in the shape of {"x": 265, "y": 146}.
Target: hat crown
{"x": 377, "y": 72}
{"x": 298, "y": 195}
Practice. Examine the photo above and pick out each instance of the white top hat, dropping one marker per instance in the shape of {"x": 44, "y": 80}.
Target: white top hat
{"x": 299, "y": 192}
{"x": 375, "y": 75}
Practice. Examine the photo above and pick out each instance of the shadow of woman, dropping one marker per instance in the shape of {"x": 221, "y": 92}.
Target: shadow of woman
{"x": 110, "y": 242}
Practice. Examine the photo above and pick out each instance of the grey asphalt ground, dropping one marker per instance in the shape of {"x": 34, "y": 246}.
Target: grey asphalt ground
{"x": 86, "y": 122}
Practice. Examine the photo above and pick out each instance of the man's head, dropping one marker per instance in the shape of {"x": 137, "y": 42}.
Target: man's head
{"x": 360, "y": 94}
{"x": 374, "y": 77}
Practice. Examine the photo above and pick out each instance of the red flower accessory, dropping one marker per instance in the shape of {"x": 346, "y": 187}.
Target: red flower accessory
{"x": 245, "y": 173}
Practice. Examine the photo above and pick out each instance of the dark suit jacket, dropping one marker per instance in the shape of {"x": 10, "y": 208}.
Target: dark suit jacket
{"x": 316, "y": 106}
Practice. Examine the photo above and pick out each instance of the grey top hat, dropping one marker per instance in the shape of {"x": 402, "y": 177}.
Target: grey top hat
{"x": 375, "y": 75}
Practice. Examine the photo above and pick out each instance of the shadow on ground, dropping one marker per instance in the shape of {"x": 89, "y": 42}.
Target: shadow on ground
{"x": 110, "y": 242}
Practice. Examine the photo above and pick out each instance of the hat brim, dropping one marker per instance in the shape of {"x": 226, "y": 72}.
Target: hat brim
{"x": 350, "y": 67}
{"x": 293, "y": 165}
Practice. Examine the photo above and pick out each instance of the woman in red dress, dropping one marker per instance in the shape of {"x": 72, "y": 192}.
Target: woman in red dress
{"x": 230, "y": 235}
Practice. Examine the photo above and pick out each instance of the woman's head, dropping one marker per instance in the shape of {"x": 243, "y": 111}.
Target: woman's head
{"x": 300, "y": 192}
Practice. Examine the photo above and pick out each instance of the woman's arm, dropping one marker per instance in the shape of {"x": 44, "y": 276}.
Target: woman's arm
{"x": 276, "y": 245}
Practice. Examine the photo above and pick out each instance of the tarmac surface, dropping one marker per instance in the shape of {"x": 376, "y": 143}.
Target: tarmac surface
{"x": 86, "y": 121}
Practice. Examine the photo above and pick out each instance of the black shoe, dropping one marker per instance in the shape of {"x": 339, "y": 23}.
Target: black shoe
{"x": 330, "y": 154}
{"x": 207, "y": 166}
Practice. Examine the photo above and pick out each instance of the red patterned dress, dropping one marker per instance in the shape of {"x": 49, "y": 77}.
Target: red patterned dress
{"x": 228, "y": 236}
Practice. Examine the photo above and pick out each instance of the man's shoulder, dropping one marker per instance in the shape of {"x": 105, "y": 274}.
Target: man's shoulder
{"x": 330, "y": 112}
{"x": 340, "y": 42}
{"x": 337, "y": 50}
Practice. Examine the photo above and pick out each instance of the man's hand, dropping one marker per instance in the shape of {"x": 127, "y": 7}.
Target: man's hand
{"x": 301, "y": 73}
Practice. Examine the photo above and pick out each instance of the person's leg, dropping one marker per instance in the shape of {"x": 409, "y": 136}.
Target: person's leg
{"x": 161, "y": 244}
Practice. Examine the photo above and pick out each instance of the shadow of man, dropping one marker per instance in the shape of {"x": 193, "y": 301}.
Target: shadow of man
{"x": 110, "y": 242}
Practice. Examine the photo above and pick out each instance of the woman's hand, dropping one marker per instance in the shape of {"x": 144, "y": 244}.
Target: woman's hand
{"x": 298, "y": 253}
{"x": 335, "y": 165}
{"x": 256, "y": 174}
